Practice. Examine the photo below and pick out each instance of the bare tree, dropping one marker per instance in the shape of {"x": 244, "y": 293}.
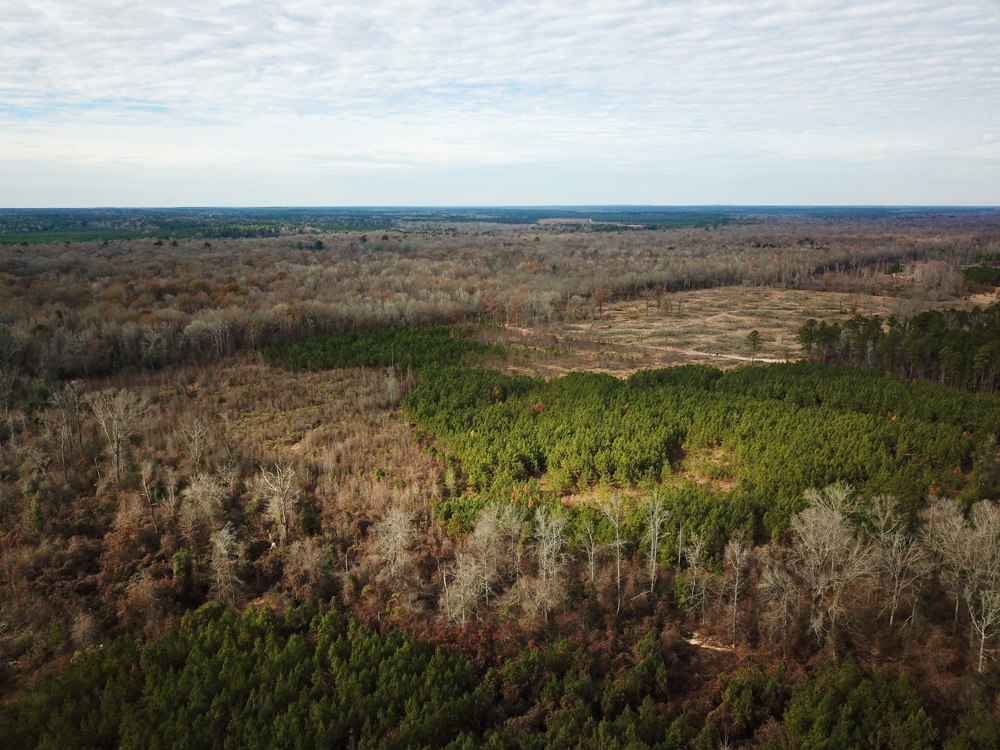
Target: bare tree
{"x": 694, "y": 554}
{"x": 280, "y": 493}
{"x": 225, "y": 580}
{"x": 59, "y": 430}
{"x": 121, "y": 414}
{"x": 780, "y": 595}
{"x": 945, "y": 535}
{"x": 982, "y": 583}
{"x": 392, "y": 537}
{"x": 737, "y": 556}
{"x": 486, "y": 540}
{"x": 70, "y": 404}
{"x": 829, "y": 557}
{"x": 148, "y": 476}
{"x": 202, "y": 507}
{"x": 510, "y": 525}
{"x": 614, "y": 510}
{"x": 901, "y": 562}
{"x": 170, "y": 484}
{"x": 589, "y": 544}
{"x": 549, "y": 540}
{"x": 194, "y": 434}
{"x": 460, "y": 587}
{"x": 655, "y": 511}
{"x": 984, "y": 608}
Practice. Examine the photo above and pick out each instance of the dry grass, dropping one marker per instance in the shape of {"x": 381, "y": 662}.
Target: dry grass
{"x": 705, "y": 325}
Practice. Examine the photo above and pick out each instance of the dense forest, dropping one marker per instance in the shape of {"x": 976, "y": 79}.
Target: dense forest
{"x": 256, "y": 493}
{"x": 766, "y": 434}
{"x": 957, "y": 348}
{"x": 313, "y": 680}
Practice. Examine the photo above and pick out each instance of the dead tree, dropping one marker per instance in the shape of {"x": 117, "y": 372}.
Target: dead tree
{"x": 982, "y": 583}
{"x": 148, "y": 476}
{"x": 460, "y": 587}
{"x": 202, "y": 505}
{"x": 70, "y": 404}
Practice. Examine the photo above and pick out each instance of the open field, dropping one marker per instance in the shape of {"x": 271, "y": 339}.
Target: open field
{"x": 705, "y": 326}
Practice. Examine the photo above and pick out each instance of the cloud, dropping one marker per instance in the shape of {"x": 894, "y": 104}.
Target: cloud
{"x": 355, "y": 88}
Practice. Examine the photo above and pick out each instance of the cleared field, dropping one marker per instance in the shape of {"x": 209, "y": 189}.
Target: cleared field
{"x": 705, "y": 325}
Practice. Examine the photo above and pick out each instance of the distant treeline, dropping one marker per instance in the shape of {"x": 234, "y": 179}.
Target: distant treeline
{"x": 955, "y": 347}
{"x": 41, "y": 226}
{"x": 768, "y": 433}
{"x": 313, "y": 680}
{"x": 399, "y": 346}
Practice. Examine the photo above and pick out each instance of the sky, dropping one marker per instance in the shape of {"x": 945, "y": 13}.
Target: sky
{"x": 499, "y": 102}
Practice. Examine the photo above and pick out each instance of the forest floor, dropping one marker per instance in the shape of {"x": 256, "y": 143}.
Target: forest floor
{"x": 704, "y": 326}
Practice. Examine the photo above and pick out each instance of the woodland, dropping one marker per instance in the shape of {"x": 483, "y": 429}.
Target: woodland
{"x": 304, "y": 488}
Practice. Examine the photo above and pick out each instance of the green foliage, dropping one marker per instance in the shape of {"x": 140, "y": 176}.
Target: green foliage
{"x": 959, "y": 348}
{"x": 772, "y": 432}
{"x": 83, "y": 708}
{"x": 576, "y": 707}
{"x": 311, "y": 679}
{"x": 400, "y": 346}
{"x": 977, "y": 730}
{"x": 254, "y": 681}
{"x": 848, "y": 707}
{"x": 989, "y": 275}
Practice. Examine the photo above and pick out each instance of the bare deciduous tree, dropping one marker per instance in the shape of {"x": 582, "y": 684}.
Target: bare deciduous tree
{"x": 391, "y": 540}
{"x": 655, "y": 511}
{"x": 982, "y": 583}
{"x": 694, "y": 554}
{"x": 901, "y": 562}
{"x": 121, "y": 414}
{"x": 194, "y": 434}
{"x": 486, "y": 537}
{"x": 945, "y": 536}
{"x": 225, "y": 580}
{"x": 780, "y": 595}
{"x": 829, "y": 557}
{"x": 148, "y": 477}
{"x": 614, "y": 510}
{"x": 588, "y": 544}
{"x": 280, "y": 493}
{"x": 548, "y": 533}
{"x": 460, "y": 587}
{"x": 70, "y": 404}
{"x": 202, "y": 507}
{"x": 737, "y": 556}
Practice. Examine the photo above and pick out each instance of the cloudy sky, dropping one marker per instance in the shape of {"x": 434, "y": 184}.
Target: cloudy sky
{"x": 499, "y": 102}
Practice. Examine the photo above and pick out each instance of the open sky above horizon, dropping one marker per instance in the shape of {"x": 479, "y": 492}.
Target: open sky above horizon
{"x": 422, "y": 102}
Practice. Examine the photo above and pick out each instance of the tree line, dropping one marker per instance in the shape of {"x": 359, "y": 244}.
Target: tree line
{"x": 957, "y": 348}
